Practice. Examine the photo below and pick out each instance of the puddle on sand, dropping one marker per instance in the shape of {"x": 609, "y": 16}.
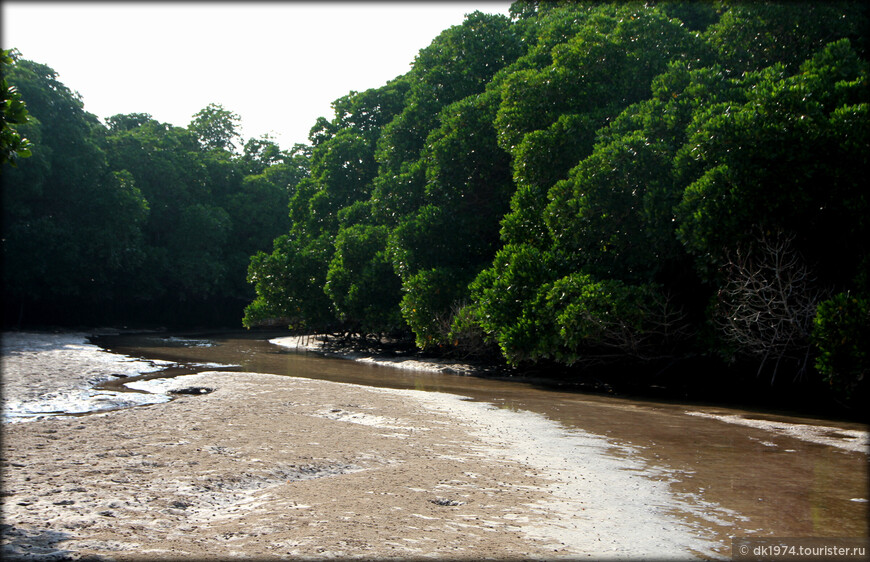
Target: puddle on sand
{"x": 734, "y": 479}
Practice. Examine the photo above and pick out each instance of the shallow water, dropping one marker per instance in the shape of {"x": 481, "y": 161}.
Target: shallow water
{"x": 737, "y": 473}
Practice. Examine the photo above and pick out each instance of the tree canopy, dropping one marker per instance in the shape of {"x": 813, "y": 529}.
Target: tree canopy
{"x": 574, "y": 184}
{"x": 135, "y": 219}
{"x": 589, "y": 184}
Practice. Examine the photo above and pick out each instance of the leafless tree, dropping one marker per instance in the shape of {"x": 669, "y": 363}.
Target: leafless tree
{"x": 767, "y": 304}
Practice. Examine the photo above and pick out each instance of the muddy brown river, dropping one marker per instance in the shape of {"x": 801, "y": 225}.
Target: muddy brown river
{"x": 746, "y": 472}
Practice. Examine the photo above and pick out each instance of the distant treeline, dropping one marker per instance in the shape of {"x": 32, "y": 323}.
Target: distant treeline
{"x": 135, "y": 220}
{"x": 582, "y": 184}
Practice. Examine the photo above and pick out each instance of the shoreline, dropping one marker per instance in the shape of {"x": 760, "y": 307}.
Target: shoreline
{"x": 267, "y": 466}
{"x": 317, "y": 344}
{"x": 625, "y": 389}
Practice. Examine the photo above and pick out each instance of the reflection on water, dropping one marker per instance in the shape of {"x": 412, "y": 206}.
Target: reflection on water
{"x": 764, "y": 479}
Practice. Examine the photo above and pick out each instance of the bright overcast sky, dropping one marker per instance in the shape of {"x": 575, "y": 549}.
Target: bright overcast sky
{"x": 278, "y": 65}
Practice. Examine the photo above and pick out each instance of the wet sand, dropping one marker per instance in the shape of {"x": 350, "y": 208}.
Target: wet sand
{"x": 263, "y": 466}
{"x": 50, "y": 372}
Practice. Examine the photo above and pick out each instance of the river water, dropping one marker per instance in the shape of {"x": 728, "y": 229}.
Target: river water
{"x": 746, "y": 473}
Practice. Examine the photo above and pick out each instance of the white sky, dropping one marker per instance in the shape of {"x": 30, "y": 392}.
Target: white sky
{"x": 278, "y": 65}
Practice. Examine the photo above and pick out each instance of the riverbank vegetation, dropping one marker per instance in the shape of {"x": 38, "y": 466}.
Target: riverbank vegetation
{"x": 600, "y": 184}
{"x": 133, "y": 220}
{"x": 588, "y": 185}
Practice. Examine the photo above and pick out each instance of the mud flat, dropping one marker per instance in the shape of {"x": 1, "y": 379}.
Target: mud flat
{"x": 263, "y": 466}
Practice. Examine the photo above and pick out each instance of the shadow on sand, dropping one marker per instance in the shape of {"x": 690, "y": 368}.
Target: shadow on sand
{"x": 34, "y": 544}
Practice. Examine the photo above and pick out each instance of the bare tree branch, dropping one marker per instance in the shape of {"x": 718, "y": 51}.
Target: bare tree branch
{"x": 767, "y": 305}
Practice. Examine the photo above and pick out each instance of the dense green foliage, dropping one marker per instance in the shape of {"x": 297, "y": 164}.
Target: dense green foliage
{"x": 842, "y": 330}
{"x": 134, "y": 219}
{"x": 12, "y": 112}
{"x": 583, "y": 184}
{"x": 596, "y": 184}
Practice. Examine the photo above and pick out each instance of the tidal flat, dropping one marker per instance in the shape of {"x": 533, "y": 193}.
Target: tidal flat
{"x": 245, "y": 464}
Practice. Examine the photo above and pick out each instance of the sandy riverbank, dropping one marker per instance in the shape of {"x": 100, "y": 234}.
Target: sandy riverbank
{"x": 263, "y": 466}
{"x": 326, "y": 347}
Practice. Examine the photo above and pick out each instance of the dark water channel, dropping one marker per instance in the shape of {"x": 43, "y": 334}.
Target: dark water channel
{"x": 769, "y": 474}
